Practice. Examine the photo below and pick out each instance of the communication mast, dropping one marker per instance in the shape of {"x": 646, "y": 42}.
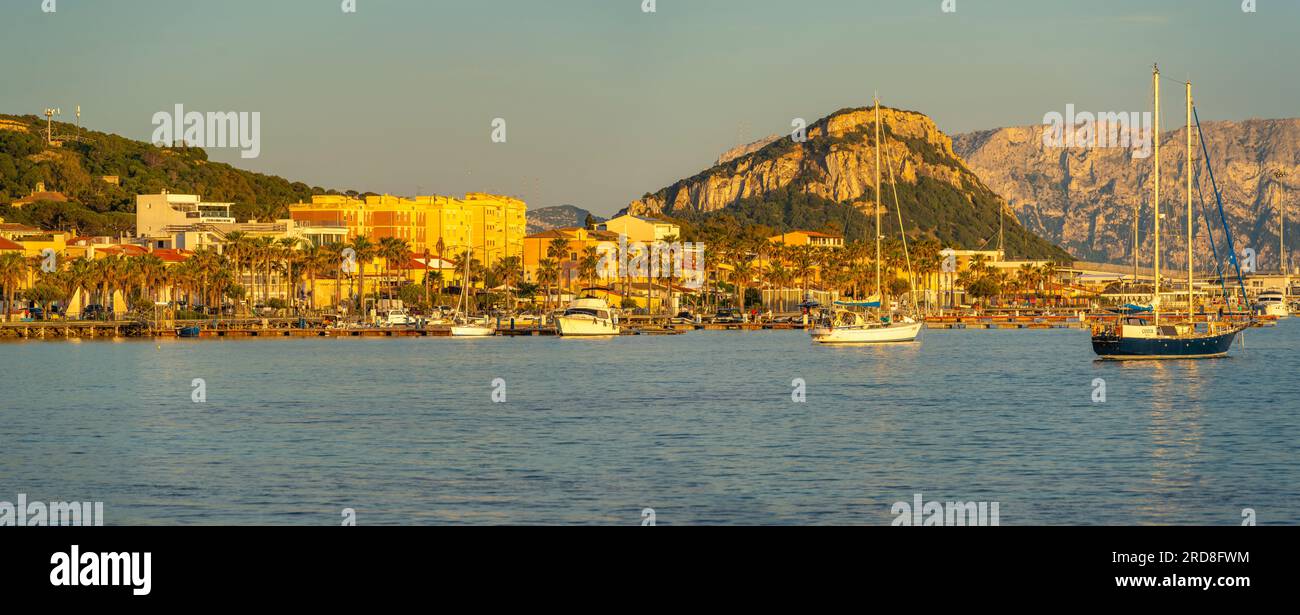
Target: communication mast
{"x": 50, "y": 113}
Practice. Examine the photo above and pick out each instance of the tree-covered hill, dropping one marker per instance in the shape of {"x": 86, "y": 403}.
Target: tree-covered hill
{"x": 98, "y": 207}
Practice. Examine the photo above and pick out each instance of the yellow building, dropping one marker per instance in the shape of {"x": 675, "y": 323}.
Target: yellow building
{"x": 809, "y": 238}
{"x": 438, "y": 225}
{"x": 640, "y": 228}
{"x": 576, "y": 240}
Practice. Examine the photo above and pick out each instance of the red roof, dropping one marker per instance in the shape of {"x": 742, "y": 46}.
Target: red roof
{"x": 10, "y": 246}
{"x": 169, "y": 255}
{"x": 126, "y": 249}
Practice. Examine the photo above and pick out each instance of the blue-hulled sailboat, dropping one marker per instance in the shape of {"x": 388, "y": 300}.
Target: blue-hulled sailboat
{"x": 1148, "y": 336}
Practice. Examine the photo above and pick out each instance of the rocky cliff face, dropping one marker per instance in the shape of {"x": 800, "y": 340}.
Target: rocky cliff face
{"x": 1085, "y": 199}
{"x": 940, "y": 196}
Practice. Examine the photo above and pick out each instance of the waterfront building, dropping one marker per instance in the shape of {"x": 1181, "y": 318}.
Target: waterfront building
{"x": 575, "y": 242}
{"x": 641, "y": 228}
{"x": 161, "y": 216}
{"x": 438, "y": 225}
{"x": 809, "y": 238}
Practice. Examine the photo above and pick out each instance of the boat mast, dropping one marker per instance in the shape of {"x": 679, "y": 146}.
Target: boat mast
{"x": 1191, "y": 266}
{"x": 1155, "y": 135}
{"x": 464, "y": 284}
{"x": 879, "y": 291}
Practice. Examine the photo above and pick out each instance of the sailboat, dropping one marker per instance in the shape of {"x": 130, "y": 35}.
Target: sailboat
{"x": 461, "y": 325}
{"x": 1142, "y": 337}
{"x": 842, "y": 325}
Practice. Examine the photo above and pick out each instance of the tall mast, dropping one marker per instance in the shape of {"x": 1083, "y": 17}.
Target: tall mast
{"x": 1191, "y": 266}
{"x": 880, "y": 291}
{"x": 1155, "y": 135}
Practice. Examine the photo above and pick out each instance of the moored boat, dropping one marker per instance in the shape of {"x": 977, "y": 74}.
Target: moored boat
{"x": 848, "y": 327}
{"x": 587, "y": 317}
{"x": 1272, "y": 303}
{"x": 1137, "y": 338}
{"x": 1150, "y": 337}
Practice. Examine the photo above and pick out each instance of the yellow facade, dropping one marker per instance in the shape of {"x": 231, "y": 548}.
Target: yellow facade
{"x": 439, "y": 225}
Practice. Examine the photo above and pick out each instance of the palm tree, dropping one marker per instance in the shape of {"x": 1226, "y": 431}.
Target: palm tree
{"x": 741, "y": 272}
{"x": 393, "y": 249}
{"x": 804, "y": 260}
{"x": 365, "y": 251}
{"x": 239, "y": 248}
{"x": 558, "y": 250}
{"x": 13, "y": 271}
{"x": 547, "y": 273}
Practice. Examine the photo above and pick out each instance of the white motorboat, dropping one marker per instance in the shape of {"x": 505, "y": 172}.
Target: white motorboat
{"x": 1272, "y": 303}
{"x": 587, "y": 317}
{"x": 397, "y": 318}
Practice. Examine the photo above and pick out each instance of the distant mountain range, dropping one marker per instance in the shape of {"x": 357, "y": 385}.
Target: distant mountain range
{"x": 1084, "y": 199}
{"x": 828, "y": 181}
{"x": 559, "y": 216}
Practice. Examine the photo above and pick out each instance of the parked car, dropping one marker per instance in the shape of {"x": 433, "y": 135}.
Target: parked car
{"x": 728, "y": 316}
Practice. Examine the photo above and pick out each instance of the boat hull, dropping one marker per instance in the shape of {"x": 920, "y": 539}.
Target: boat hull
{"x": 893, "y": 334}
{"x": 1276, "y": 310}
{"x": 472, "y": 331}
{"x": 1152, "y": 348}
{"x": 571, "y": 326}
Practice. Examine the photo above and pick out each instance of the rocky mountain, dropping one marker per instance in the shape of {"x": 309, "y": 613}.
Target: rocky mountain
{"x": 746, "y": 149}
{"x": 547, "y": 218}
{"x": 1085, "y": 199}
{"x": 833, "y": 171}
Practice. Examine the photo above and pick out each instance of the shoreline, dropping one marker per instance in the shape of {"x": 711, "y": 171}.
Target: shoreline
{"x": 102, "y": 330}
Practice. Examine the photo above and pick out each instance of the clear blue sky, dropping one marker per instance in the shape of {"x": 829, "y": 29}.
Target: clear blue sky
{"x": 604, "y": 102}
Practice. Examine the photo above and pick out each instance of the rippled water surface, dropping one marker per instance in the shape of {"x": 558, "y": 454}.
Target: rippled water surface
{"x": 700, "y": 427}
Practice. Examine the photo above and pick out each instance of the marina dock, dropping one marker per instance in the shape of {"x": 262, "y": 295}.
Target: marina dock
{"x": 308, "y": 328}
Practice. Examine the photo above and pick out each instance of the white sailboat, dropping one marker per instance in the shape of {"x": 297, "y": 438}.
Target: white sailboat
{"x": 844, "y": 326}
{"x": 462, "y": 326}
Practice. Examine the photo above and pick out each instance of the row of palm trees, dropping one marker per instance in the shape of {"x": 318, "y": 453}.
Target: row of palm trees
{"x": 247, "y": 272}
{"x": 735, "y": 263}
{"x": 257, "y": 271}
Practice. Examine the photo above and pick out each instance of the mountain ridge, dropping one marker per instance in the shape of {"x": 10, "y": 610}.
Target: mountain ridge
{"x": 1084, "y": 199}
{"x": 941, "y": 197}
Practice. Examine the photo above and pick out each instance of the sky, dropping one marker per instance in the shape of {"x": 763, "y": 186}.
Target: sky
{"x": 602, "y": 101}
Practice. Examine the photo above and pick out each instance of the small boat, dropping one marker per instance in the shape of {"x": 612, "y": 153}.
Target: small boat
{"x": 587, "y": 317}
{"x": 1272, "y": 303}
{"x": 849, "y": 327}
{"x": 461, "y": 325}
{"x": 193, "y": 331}
{"x": 467, "y": 328}
{"x": 397, "y": 318}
